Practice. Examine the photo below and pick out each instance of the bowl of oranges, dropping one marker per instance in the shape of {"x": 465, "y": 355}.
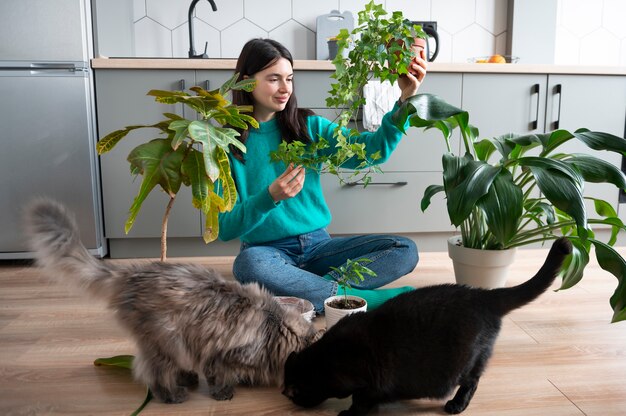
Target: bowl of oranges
{"x": 494, "y": 59}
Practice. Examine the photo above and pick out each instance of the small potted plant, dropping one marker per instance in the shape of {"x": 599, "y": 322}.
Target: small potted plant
{"x": 174, "y": 159}
{"x": 502, "y": 197}
{"x": 336, "y": 307}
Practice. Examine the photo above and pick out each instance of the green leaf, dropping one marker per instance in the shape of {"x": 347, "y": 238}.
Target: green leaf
{"x": 430, "y": 191}
{"x": 503, "y": 205}
{"x": 180, "y": 129}
{"x": 612, "y": 262}
{"x": 601, "y": 141}
{"x": 574, "y": 264}
{"x": 466, "y": 181}
{"x": 245, "y": 84}
{"x": 426, "y": 109}
{"x": 201, "y": 187}
{"x": 226, "y": 179}
{"x": 109, "y": 141}
{"x": 562, "y": 186}
{"x": 123, "y": 361}
{"x": 160, "y": 165}
{"x": 596, "y": 170}
{"x": 145, "y": 402}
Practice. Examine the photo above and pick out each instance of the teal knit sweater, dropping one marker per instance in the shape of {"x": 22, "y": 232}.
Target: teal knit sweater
{"x": 255, "y": 218}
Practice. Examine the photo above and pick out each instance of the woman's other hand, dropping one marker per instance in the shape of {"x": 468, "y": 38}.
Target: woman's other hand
{"x": 410, "y": 83}
{"x": 289, "y": 184}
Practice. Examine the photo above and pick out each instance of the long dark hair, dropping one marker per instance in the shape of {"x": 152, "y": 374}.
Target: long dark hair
{"x": 256, "y": 55}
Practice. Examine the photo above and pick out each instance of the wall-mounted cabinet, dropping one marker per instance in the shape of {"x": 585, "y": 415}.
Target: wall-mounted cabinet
{"x": 538, "y": 103}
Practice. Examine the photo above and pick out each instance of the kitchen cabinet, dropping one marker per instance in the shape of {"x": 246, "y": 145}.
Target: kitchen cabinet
{"x": 538, "y": 103}
{"x": 391, "y": 202}
{"x": 505, "y": 103}
{"x": 122, "y": 101}
{"x": 597, "y": 103}
{"x": 498, "y": 103}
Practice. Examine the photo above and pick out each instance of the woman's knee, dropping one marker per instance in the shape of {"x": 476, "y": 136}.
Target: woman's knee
{"x": 410, "y": 255}
{"x": 243, "y": 266}
{"x": 256, "y": 264}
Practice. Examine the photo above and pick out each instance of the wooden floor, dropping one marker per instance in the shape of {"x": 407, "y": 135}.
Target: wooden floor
{"x": 557, "y": 356}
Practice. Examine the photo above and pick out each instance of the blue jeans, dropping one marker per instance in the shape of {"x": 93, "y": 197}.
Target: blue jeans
{"x": 294, "y": 266}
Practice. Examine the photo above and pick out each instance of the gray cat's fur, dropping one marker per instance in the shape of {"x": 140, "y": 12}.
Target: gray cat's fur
{"x": 185, "y": 318}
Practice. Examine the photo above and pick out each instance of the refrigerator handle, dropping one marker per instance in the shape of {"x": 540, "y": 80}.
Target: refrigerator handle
{"x": 48, "y": 66}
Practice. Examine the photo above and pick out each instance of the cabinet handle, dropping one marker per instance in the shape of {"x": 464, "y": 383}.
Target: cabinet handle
{"x": 399, "y": 183}
{"x": 181, "y": 84}
{"x": 555, "y": 124}
{"x": 206, "y": 84}
{"x": 535, "y": 123}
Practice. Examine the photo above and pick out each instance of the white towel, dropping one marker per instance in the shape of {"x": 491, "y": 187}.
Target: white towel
{"x": 379, "y": 100}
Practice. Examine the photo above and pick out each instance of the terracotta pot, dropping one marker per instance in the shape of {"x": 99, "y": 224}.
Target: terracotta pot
{"x": 479, "y": 268}
{"x": 334, "y": 314}
{"x": 418, "y": 46}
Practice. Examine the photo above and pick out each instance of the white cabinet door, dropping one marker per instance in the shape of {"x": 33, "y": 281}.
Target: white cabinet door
{"x": 596, "y": 102}
{"x": 421, "y": 151}
{"x": 390, "y": 204}
{"x": 505, "y": 103}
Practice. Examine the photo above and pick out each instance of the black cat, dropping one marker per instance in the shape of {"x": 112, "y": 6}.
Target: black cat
{"x": 420, "y": 344}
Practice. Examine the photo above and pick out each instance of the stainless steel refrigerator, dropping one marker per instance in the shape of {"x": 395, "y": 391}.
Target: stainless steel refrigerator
{"x": 47, "y": 121}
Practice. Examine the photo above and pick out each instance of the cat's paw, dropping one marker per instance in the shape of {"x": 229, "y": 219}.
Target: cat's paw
{"x": 454, "y": 408}
{"x": 177, "y": 395}
{"x": 223, "y": 393}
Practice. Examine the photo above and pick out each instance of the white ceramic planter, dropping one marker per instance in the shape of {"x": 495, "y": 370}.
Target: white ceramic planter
{"x": 479, "y": 268}
{"x": 333, "y": 315}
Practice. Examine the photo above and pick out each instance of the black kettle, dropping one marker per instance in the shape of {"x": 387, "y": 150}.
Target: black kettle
{"x": 430, "y": 28}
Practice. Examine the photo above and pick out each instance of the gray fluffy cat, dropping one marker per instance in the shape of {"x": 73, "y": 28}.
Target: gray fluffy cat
{"x": 185, "y": 318}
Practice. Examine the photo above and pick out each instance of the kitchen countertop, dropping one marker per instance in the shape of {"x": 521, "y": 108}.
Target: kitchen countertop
{"x": 184, "y": 63}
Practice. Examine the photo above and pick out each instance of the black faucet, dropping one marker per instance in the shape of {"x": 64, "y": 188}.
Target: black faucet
{"x": 192, "y": 51}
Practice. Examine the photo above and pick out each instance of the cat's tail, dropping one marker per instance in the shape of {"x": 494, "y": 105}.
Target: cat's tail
{"x": 53, "y": 237}
{"x": 507, "y": 299}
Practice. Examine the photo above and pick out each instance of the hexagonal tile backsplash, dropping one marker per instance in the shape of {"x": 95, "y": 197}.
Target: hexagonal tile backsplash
{"x": 466, "y": 27}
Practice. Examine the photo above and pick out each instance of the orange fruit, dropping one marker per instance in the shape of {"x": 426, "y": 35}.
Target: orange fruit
{"x": 496, "y": 59}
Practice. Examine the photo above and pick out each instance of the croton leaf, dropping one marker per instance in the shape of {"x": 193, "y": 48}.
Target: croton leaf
{"x": 201, "y": 187}
{"x": 168, "y": 97}
{"x": 159, "y": 164}
{"x": 109, "y": 141}
{"x": 228, "y": 184}
{"x": 247, "y": 84}
{"x": 180, "y": 129}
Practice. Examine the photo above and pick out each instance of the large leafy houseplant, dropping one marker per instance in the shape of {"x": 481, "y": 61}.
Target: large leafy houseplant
{"x": 379, "y": 48}
{"x": 500, "y": 196}
{"x": 174, "y": 159}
